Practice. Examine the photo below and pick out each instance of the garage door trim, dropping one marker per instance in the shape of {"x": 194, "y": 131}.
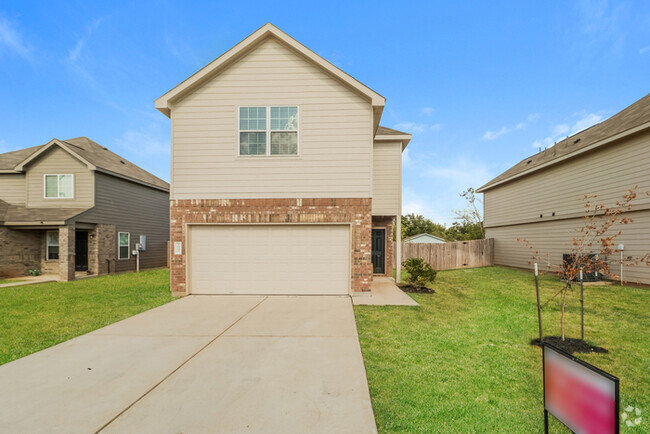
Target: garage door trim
{"x": 187, "y": 248}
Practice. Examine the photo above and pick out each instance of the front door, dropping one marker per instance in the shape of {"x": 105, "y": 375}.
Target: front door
{"x": 379, "y": 251}
{"x": 81, "y": 251}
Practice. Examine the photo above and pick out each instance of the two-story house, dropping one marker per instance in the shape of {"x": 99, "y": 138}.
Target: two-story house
{"x": 282, "y": 180}
{"x": 72, "y": 206}
{"x": 540, "y": 199}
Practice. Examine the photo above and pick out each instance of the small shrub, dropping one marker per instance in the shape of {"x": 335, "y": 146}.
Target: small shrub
{"x": 421, "y": 273}
{"x": 35, "y": 272}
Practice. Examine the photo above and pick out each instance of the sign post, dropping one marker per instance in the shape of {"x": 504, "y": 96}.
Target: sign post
{"x": 581, "y": 396}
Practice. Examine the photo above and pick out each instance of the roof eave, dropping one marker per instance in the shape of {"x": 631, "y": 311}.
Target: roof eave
{"x": 403, "y": 138}
{"x": 595, "y": 145}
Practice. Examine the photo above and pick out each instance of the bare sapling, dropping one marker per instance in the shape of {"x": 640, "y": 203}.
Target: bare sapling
{"x": 594, "y": 247}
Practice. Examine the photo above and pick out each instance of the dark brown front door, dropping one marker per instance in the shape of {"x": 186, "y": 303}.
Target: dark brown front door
{"x": 379, "y": 251}
{"x": 81, "y": 251}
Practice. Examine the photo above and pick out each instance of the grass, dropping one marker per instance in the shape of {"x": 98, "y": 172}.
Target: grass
{"x": 461, "y": 362}
{"x": 35, "y": 317}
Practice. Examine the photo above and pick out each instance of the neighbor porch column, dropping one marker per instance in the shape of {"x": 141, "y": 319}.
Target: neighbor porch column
{"x": 398, "y": 250}
{"x": 66, "y": 252}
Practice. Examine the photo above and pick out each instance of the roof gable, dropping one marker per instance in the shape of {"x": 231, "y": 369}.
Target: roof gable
{"x": 426, "y": 236}
{"x": 164, "y": 103}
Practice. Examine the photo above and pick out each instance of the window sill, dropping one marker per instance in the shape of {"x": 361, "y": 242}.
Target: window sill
{"x": 275, "y": 157}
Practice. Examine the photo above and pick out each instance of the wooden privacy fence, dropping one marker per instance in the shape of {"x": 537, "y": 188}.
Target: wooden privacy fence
{"x": 450, "y": 256}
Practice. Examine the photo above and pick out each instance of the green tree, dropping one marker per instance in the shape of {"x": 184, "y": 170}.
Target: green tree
{"x": 469, "y": 224}
{"x": 415, "y": 224}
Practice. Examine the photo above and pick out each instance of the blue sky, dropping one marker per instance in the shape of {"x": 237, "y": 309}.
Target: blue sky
{"x": 480, "y": 86}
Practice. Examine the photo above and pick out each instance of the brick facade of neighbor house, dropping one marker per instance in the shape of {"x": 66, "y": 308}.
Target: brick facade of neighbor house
{"x": 386, "y": 223}
{"x": 355, "y": 211}
{"x": 20, "y": 251}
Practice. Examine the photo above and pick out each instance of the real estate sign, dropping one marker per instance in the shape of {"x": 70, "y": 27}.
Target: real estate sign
{"x": 579, "y": 395}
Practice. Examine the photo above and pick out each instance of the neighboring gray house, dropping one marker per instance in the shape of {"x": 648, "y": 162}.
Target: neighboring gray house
{"x": 424, "y": 239}
{"x": 540, "y": 199}
{"x": 73, "y": 206}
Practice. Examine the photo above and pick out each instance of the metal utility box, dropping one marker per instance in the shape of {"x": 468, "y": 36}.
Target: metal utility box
{"x": 143, "y": 243}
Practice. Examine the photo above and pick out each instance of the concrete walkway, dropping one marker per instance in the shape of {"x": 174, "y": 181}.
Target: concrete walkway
{"x": 384, "y": 292}
{"x": 199, "y": 364}
{"x": 30, "y": 280}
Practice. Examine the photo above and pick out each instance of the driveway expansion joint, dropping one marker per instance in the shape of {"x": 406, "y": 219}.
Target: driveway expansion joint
{"x": 179, "y": 367}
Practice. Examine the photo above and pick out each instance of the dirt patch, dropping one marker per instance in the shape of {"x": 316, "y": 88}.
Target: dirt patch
{"x": 416, "y": 289}
{"x": 570, "y": 345}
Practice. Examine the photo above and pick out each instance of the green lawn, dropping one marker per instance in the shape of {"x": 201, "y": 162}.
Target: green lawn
{"x": 461, "y": 361}
{"x": 35, "y": 317}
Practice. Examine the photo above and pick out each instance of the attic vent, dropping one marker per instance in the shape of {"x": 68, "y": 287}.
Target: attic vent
{"x": 122, "y": 161}
{"x": 529, "y": 161}
{"x": 105, "y": 148}
{"x": 576, "y": 141}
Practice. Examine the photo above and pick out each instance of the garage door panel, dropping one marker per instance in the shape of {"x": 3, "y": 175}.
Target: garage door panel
{"x": 269, "y": 259}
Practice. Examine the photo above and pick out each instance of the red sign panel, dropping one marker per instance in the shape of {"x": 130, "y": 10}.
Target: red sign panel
{"x": 579, "y": 395}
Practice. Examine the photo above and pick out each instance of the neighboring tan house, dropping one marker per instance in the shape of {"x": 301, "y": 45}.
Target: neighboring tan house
{"x": 541, "y": 198}
{"x": 282, "y": 180}
{"x": 73, "y": 206}
{"x": 424, "y": 239}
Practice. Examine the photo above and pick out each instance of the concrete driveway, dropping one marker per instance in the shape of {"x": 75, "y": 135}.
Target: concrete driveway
{"x": 199, "y": 364}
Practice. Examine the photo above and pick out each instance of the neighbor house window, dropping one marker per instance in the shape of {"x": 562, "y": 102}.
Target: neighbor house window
{"x": 268, "y": 130}
{"x": 52, "y": 241}
{"x": 124, "y": 239}
{"x": 59, "y": 186}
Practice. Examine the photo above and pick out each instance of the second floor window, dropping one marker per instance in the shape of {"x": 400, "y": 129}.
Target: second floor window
{"x": 268, "y": 130}
{"x": 59, "y": 186}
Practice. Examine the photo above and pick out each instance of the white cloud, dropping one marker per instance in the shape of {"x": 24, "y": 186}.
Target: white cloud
{"x": 406, "y": 157}
{"x": 435, "y": 127}
{"x": 411, "y": 127}
{"x": 12, "y": 40}
{"x": 74, "y": 53}
{"x": 493, "y": 135}
{"x": 428, "y": 111}
{"x": 4, "y": 147}
{"x": 560, "y": 131}
{"x": 604, "y": 23}
{"x": 644, "y": 50}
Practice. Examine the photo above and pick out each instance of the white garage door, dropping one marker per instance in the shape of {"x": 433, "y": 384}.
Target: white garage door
{"x": 269, "y": 259}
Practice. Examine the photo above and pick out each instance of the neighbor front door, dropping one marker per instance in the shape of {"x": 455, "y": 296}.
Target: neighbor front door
{"x": 81, "y": 251}
{"x": 379, "y": 251}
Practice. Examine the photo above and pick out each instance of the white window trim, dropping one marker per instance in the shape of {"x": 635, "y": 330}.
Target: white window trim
{"x": 128, "y": 253}
{"x": 57, "y": 186}
{"x": 48, "y": 245}
{"x": 268, "y": 132}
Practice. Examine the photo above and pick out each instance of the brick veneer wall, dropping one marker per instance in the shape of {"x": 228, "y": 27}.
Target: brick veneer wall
{"x": 343, "y": 210}
{"x": 20, "y": 251}
{"x": 386, "y": 223}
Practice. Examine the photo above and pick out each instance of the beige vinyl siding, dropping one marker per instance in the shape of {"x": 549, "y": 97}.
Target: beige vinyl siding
{"x": 559, "y": 189}
{"x": 136, "y": 209}
{"x": 554, "y": 238}
{"x": 56, "y": 161}
{"x": 387, "y": 178}
{"x": 335, "y": 127}
{"x": 12, "y": 188}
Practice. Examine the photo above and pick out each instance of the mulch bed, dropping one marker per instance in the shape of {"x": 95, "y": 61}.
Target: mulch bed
{"x": 570, "y": 345}
{"x": 416, "y": 289}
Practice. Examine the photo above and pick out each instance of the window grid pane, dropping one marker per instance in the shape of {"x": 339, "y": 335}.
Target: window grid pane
{"x": 284, "y": 118}
{"x": 284, "y": 143}
{"x": 124, "y": 239}
{"x": 51, "y": 186}
{"x": 252, "y": 143}
{"x": 252, "y": 118}
{"x": 65, "y": 186}
{"x": 124, "y": 252}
